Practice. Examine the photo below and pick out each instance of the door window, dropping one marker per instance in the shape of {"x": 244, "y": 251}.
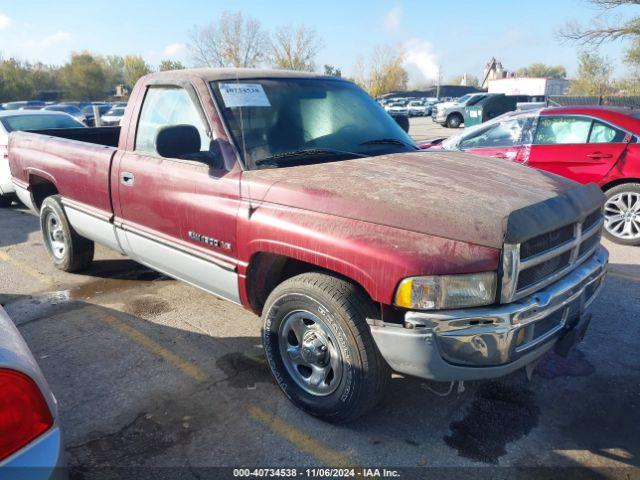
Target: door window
{"x": 166, "y": 106}
{"x": 562, "y": 130}
{"x": 502, "y": 134}
{"x": 603, "y": 133}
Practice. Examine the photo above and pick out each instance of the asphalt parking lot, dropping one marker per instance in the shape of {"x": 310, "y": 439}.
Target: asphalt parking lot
{"x": 150, "y": 372}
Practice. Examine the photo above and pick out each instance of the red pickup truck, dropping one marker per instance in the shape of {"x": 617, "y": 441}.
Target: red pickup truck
{"x": 298, "y": 197}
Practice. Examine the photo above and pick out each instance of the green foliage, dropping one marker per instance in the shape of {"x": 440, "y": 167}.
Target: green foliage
{"x": 166, "y": 65}
{"x": 541, "y": 70}
{"x": 134, "y": 68}
{"x": 83, "y": 78}
{"x": 24, "y": 81}
{"x": 594, "y": 75}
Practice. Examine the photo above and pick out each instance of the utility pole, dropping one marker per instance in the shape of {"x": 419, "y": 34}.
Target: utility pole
{"x": 439, "y": 81}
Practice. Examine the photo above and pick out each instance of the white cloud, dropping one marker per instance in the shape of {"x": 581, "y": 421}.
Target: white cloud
{"x": 5, "y": 21}
{"x": 420, "y": 55}
{"x": 176, "y": 50}
{"x": 393, "y": 18}
{"x": 49, "y": 41}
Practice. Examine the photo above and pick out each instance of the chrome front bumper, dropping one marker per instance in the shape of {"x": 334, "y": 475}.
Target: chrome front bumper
{"x": 491, "y": 341}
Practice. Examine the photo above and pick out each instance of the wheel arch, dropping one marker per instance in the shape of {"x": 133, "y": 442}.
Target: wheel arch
{"x": 41, "y": 187}
{"x": 267, "y": 270}
{"x": 619, "y": 181}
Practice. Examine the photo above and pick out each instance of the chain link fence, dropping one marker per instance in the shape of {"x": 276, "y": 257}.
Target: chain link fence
{"x": 609, "y": 101}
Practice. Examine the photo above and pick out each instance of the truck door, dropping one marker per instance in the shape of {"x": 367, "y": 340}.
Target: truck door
{"x": 177, "y": 201}
{"x": 581, "y": 148}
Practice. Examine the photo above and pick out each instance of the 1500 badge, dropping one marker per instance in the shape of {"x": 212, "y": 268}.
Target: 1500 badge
{"x": 212, "y": 242}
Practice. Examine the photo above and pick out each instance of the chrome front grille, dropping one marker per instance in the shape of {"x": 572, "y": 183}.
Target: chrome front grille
{"x": 544, "y": 259}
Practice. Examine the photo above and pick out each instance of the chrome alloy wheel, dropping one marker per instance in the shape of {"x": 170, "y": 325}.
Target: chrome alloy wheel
{"x": 310, "y": 353}
{"x": 54, "y": 235}
{"x": 622, "y": 215}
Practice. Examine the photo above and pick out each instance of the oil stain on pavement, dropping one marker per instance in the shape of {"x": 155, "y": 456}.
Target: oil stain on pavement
{"x": 574, "y": 365}
{"x": 499, "y": 414}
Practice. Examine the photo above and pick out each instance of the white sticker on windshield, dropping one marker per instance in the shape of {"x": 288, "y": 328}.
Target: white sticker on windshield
{"x": 243, "y": 95}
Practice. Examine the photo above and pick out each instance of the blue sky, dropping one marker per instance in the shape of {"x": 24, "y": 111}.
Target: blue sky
{"x": 459, "y": 36}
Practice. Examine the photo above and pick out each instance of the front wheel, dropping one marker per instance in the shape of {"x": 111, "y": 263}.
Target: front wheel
{"x": 319, "y": 347}
{"x": 454, "y": 121}
{"x": 622, "y": 214}
{"x": 69, "y": 251}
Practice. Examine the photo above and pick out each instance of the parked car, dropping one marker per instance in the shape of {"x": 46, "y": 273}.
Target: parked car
{"x": 362, "y": 254}
{"x": 418, "y": 108}
{"x": 397, "y": 108}
{"x": 89, "y": 112}
{"x": 12, "y": 120}
{"x": 30, "y": 436}
{"x": 451, "y": 114}
{"x": 72, "y": 110}
{"x": 113, "y": 116}
{"x": 585, "y": 144}
{"x": 24, "y": 105}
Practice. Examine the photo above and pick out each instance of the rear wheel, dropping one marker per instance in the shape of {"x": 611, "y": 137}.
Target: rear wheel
{"x": 69, "y": 251}
{"x": 319, "y": 347}
{"x": 454, "y": 120}
{"x": 622, "y": 214}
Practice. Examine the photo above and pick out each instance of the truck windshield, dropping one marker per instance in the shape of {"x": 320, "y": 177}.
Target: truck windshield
{"x": 306, "y": 120}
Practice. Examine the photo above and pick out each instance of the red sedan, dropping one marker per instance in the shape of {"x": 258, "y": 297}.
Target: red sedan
{"x": 585, "y": 144}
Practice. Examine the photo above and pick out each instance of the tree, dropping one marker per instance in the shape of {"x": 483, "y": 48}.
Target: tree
{"x": 231, "y": 41}
{"x": 594, "y": 75}
{"x": 602, "y": 29}
{"x": 606, "y": 28}
{"x": 134, "y": 68}
{"x": 166, "y": 65}
{"x": 295, "y": 48}
{"x": 468, "y": 80}
{"x": 113, "y": 66}
{"x": 541, "y": 70}
{"x": 385, "y": 72}
{"x": 83, "y": 77}
{"x": 331, "y": 70}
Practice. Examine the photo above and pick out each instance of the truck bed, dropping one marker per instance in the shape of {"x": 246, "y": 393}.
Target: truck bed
{"x": 76, "y": 160}
{"x": 107, "y": 136}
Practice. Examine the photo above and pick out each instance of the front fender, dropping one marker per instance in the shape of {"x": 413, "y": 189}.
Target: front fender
{"x": 377, "y": 257}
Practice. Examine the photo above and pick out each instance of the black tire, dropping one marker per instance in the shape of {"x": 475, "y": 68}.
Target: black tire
{"x": 69, "y": 251}
{"x": 633, "y": 191}
{"x": 343, "y": 307}
{"x": 454, "y": 120}
{"x": 5, "y": 201}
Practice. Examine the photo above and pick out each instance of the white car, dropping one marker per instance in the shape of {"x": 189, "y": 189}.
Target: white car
{"x": 398, "y": 108}
{"x": 12, "y": 120}
{"x": 417, "y": 108}
{"x": 112, "y": 117}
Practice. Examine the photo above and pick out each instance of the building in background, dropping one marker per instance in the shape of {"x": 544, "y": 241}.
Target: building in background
{"x": 529, "y": 86}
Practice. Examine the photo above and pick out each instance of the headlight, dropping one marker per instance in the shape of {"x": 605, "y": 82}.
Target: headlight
{"x": 447, "y": 291}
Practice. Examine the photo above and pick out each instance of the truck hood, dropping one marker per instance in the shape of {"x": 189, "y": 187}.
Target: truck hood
{"x": 478, "y": 200}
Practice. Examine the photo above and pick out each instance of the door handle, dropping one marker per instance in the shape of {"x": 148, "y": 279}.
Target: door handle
{"x": 127, "y": 178}
{"x": 499, "y": 155}
{"x": 597, "y": 155}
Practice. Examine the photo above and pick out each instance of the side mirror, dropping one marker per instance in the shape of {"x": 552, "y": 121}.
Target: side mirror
{"x": 178, "y": 141}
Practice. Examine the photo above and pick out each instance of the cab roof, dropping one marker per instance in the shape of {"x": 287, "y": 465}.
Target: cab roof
{"x": 214, "y": 74}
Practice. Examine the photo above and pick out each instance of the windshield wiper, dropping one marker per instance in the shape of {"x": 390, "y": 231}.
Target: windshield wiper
{"x": 291, "y": 157}
{"x": 388, "y": 141}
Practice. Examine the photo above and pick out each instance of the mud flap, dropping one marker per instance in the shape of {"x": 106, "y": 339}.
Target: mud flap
{"x": 574, "y": 333}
